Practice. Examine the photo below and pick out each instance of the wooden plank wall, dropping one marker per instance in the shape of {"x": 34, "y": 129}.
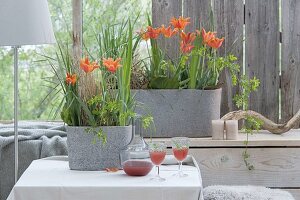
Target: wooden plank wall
{"x": 290, "y": 78}
{"x": 198, "y": 11}
{"x": 229, "y": 16}
{"x": 262, "y": 45}
{"x": 162, "y": 12}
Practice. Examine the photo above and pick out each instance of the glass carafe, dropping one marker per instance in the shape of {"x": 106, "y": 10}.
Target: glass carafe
{"x": 135, "y": 157}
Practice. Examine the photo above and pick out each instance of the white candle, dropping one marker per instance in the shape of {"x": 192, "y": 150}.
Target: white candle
{"x": 217, "y": 129}
{"x": 232, "y": 129}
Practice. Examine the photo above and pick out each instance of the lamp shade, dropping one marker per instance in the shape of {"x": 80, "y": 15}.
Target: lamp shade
{"x": 25, "y": 22}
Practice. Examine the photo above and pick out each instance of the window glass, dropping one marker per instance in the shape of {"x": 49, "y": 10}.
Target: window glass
{"x": 36, "y": 79}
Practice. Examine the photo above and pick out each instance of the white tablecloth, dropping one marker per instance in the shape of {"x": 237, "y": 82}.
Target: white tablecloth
{"x": 51, "y": 179}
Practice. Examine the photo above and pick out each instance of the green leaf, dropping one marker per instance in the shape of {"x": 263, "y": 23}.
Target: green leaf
{"x": 195, "y": 63}
{"x": 164, "y": 83}
{"x": 66, "y": 116}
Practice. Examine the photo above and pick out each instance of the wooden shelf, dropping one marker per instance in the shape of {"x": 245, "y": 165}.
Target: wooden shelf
{"x": 258, "y": 139}
{"x": 276, "y": 159}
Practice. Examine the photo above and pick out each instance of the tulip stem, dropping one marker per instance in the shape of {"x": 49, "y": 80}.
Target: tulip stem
{"x": 215, "y": 70}
{"x": 203, "y": 63}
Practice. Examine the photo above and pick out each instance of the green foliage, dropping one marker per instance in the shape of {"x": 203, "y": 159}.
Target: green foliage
{"x": 162, "y": 74}
{"x": 6, "y": 85}
{"x": 105, "y": 113}
{"x": 246, "y": 156}
{"x": 199, "y": 69}
{"x": 212, "y": 67}
{"x": 60, "y": 65}
{"x": 124, "y": 78}
{"x": 110, "y": 102}
{"x": 248, "y": 86}
{"x": 102, "y": 13}
{"x": 197, "y": 55}
{"x": 38, "y": 92}
{"x": 164, "y": 83}
{"x": 147, "y": 121}
{"x": 251, "y": 123}
{"x": 98, "y": 135}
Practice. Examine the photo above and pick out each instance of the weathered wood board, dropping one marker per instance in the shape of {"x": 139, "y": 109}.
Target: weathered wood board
{"x": 229, "y": 21}
{"x": 290, "y": 58}
{"x": 274, "y": 167}
{"x": 262, "y": 60}
{"x": 162, "y": 12}
{"x": 199, "y": 11}
{"x": 263, "y": 139}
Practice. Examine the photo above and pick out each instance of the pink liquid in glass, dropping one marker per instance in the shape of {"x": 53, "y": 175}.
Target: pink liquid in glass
{"x": 157, "y": 157}
{"x": 137, "y": 167}
{"x": 180, "y": 154}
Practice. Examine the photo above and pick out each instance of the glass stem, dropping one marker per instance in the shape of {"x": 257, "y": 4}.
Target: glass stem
{"x": 157, "y": 170}
{"x": 180, "y": 166}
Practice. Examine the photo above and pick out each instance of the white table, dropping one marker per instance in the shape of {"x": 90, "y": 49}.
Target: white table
{"x": 51, "y": 179}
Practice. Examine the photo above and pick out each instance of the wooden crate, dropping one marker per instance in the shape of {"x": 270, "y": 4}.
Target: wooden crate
{"x": 276, "y": 159}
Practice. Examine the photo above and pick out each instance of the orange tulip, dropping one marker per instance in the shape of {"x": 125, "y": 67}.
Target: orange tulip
{"x": 150, "y": 33}
{"x": 168, "y": 32}
{"x": 71, "y": 79}
{"x": 186, "y": 47}
{"x": 144, "y": 34}
{"x": 207, "y": 36}
{"x": 153, "y": 32}
{"x": 111, "y": 64}
{"x": 86, "y": 66}
{"x": 215, "y": 42}
{"x": 187, "y": 38}
{"x": 180, "y": 23}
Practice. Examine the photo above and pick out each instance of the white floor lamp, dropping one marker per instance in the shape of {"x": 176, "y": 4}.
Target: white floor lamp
{"x": 23, "y": 22}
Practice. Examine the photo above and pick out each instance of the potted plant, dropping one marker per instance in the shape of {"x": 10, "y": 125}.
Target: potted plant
{"x": 97, "y": 101}
{"x": 184, "y": 94}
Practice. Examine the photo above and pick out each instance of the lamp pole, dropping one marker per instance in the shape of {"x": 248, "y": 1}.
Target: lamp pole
{"x": 26, "y": 23}
{"x": 16, "y": 100}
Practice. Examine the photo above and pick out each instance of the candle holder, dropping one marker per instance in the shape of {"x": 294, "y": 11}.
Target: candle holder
{"x": 232, "y": 129}
{"x": 218, "y": 129}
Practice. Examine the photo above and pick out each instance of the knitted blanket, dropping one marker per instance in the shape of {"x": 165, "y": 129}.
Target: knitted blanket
{"x": 220, "y": 192}
{"x": 36, "y": 140}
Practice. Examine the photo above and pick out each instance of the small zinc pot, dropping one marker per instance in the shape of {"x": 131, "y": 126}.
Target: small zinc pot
{"x": 185, "y": 112}
{"x": 84, "y": 155}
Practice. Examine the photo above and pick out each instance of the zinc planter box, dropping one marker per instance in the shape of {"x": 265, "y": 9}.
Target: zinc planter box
{"x": 86, "y": 156}
{"x": 185, "y": 112}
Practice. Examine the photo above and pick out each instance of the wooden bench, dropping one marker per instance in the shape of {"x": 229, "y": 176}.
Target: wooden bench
{"x": 276, "y": 159}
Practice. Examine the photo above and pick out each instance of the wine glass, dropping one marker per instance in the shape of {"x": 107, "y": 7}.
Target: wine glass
{"x": 157, "y": 155}
{"x": 180, "y": 147}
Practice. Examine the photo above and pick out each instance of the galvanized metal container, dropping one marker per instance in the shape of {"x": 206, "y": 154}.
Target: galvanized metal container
{"x": 86, "y": 156}
{"x": 185, "y": 112}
